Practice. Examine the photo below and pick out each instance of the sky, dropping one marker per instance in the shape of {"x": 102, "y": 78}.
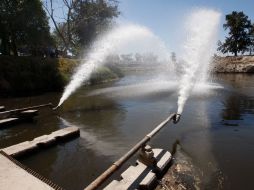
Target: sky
{"x": 165, "y": 18}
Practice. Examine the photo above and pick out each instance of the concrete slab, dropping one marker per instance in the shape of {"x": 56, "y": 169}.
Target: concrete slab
{"x": 42, "y": 141}
{"x": 148, "y": 181}
{"x": 164, "y": 161}
{"x": 142, "y": 176}
{"x": 13, "y": 177}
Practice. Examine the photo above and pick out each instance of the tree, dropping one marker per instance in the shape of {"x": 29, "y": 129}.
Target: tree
{"x": 83, "y": 21}
{"x": 238, "y": 40}
{"x": 91, "y": 18}
{"x": 24, "y": 24}
{"x": 62, "y": 32}
{"x": 251, "y": 37}
{"x": 173, "y": 57}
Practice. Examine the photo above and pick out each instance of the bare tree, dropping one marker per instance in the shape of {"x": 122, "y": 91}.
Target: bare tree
{"x": 48, "y": 6}
{"x": 82, "y": 21}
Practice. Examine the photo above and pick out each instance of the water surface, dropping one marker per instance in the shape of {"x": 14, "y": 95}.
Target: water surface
{"x": 216, "y": 129}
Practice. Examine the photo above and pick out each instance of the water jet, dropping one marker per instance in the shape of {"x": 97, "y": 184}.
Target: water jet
{"x": 197, "y": 51}
{"x": 116, "y": 40}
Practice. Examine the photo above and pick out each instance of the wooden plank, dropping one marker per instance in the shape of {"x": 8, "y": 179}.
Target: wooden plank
{"x": 42, "y": 141}
{"x": 21, "y": 117}
{"x": 2, "y": 108}
{"x": 16, "y": 112}
{"x": 14, "y": 118}
{"x": 8, "y": 121}
{"x": 26, "y": 108}
{"x": 28, "y": 114}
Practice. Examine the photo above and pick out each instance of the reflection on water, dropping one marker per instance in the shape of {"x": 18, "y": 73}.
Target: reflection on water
{"x": 232, "y": 109}
{"x": 215, "y": 130}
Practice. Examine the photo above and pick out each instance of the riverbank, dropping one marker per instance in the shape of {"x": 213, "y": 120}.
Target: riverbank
{"x": 239, "y": 64}
{"x": 25, "y": 76}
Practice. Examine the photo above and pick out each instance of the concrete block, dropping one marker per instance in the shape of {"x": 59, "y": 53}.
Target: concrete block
{"x": 141, "y": 176}
{"x": 45, "y": 140}
{"x": 164, "y": 161}
{"x": 148, "y": 181}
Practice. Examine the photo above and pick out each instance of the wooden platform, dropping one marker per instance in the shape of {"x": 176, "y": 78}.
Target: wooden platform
{"x": 142, "y": 176}
{"x": 42, "y": 141}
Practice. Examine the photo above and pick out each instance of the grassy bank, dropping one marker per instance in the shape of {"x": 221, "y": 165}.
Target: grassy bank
{"x": 22, "y": 76}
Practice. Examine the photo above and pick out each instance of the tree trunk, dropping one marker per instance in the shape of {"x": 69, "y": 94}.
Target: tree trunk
{"x": 13, "y": 40}
{"x": 235, "y": 53}
{"x": 5, "y": 41}
{"x": 5, "y": 45}
{"x": 14, "y": 46}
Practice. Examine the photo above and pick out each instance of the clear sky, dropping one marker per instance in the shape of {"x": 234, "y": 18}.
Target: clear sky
{"x": 165, "y": 18}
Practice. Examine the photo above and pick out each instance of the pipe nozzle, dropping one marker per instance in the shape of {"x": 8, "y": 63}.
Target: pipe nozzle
{"x": 55, "y": 108}
{"x": 176, "y": 118}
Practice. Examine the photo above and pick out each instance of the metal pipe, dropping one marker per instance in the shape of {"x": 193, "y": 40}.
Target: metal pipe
{"x": 115, "y": 166}
{"x": 23, "y": 109}
{"x": 55, "y": 108}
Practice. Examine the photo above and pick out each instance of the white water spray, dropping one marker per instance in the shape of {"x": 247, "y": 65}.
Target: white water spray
{"x": 117, "y": 39}
{"x": 202, "y": 28}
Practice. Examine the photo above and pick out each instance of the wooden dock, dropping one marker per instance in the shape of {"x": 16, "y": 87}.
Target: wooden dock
{"x": 42, "y": 141}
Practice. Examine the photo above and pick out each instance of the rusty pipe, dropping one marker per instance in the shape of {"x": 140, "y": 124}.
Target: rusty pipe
{"x": 116, "y": 165}
{"x": 55, "y": 108}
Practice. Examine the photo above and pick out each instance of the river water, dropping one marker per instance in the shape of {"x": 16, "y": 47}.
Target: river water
{"x": 216, "y": 129}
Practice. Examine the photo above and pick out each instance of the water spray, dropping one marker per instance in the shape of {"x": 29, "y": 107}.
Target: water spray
{"x": 198, "y": 50}
{"x": 116, "y": 40}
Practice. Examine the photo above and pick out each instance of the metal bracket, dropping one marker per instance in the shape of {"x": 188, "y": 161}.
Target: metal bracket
{"x": 146, "y": 155}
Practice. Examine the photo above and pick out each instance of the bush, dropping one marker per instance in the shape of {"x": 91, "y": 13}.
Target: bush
{"x": 102, "y": 74}
{"x": 31, "y": 75}
{"x": 22, "y": 76}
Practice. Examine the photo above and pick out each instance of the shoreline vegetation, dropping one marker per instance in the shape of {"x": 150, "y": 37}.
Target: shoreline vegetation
{"x": 25, "y": 76}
